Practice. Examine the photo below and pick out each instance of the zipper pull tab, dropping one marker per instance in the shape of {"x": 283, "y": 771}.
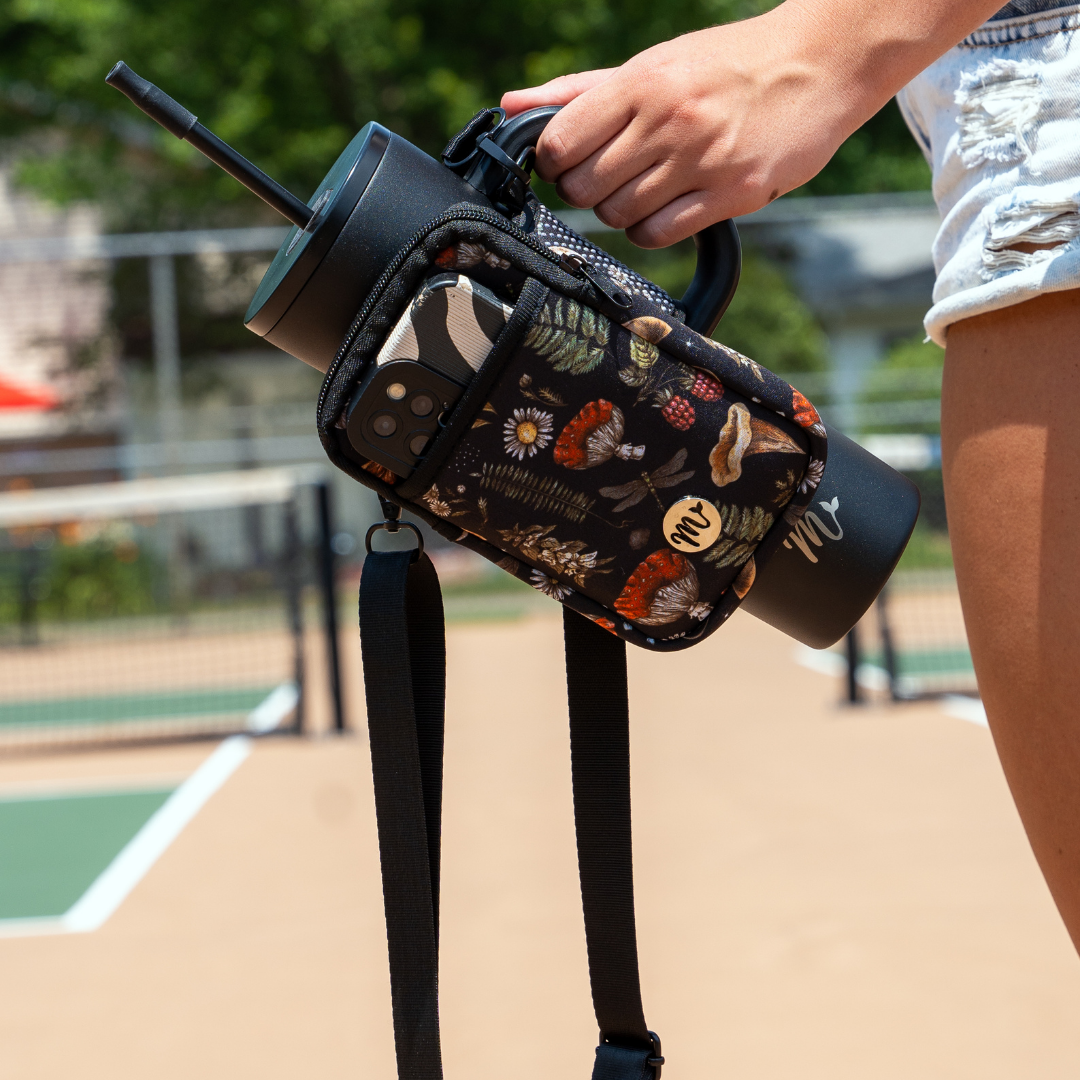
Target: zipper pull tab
{"x": 579, "y": 268}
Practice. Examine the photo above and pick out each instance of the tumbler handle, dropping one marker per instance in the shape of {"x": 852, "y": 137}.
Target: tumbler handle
{"x": 719, "y": 253}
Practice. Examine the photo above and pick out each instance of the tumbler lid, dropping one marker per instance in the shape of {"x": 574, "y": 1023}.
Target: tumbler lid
{"x": 303, "y": 249}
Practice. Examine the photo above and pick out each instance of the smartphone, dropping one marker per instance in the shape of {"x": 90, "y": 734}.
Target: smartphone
{"x": 422, "y": 370}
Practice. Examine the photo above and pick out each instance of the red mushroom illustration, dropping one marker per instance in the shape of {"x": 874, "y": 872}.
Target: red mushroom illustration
{"x": 744, "y": 434}
{"x": 662, "y": 589}
{"x": 593, "y": 437}
{"x": 805, "y": 414}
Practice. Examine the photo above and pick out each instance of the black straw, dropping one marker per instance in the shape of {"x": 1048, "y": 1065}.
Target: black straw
{"x": 173, "y": 117}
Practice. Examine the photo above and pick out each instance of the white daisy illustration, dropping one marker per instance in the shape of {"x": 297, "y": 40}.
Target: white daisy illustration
{"x": 527, "y": 431}
{"x": 549, "y": 586}
{"x": 435, "y": 502}
{"x": 812, "y": 477}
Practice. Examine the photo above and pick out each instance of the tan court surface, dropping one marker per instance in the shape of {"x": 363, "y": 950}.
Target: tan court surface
{"x": 823, "y": 893}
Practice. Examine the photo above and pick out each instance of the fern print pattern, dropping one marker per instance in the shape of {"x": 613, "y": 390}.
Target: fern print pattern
{"x": 544, "y": 493}
{"x": 570, "y": 337}
{"x": 742, "y": 529}
{"x": 580, "y": 526}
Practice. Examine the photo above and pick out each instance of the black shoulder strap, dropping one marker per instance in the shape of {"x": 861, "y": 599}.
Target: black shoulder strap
{"x": 404, "y": 654}
{"x": 404, "y": 651}
{"x": 600, "y": 762}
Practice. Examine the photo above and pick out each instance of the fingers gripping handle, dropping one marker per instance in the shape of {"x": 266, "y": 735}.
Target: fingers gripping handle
{"x": 719, "y": 253}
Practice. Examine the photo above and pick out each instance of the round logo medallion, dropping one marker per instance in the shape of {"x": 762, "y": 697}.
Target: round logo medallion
{"x": 692, "y": 525}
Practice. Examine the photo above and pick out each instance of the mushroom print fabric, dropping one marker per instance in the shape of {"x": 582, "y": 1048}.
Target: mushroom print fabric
{"x": 592, "y": 431}
{"x": 593, "y": 437}
{"x": 661, "y": 590}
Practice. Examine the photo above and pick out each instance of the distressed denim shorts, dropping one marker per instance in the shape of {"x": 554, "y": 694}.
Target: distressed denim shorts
{"x": 998, "y": 118}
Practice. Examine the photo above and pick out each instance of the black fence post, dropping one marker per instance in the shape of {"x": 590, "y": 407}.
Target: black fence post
{"x": 294, "y": 599}
{"x": 328, "y": 581}
{"x": 851, "y": 647}
{"x": 888, "y": 650}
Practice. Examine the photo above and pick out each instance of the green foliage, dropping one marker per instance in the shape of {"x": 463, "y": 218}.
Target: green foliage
{"x": 766, "y": 321}
{"x": 910, "y": 376}
{"x": 99, "y": 579}
{"x": 880, "y": 156}
{"x": 290, "y": 81}
{"x": 928, "y": 549}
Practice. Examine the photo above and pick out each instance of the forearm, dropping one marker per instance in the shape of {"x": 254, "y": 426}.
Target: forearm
{"x": 868, "y": 49}
{"x": 719, "y": 122}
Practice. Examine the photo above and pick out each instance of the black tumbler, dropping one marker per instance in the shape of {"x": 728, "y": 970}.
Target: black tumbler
{"x": 836, "y": 558}
{"x": 833, "y": 561}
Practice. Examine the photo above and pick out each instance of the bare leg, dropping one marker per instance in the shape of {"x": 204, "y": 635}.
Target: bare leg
{"x": 1011, "y": 452}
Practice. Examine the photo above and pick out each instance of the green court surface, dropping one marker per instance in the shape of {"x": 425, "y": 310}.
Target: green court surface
{"x": 52, "y": 848}
{"x": 117, "y": 708}
{"x": 913, "y": 663}
{"x": 934, "y": 662}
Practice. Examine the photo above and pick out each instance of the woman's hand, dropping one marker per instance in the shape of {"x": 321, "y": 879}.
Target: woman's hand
{"x": 720, "y": 122}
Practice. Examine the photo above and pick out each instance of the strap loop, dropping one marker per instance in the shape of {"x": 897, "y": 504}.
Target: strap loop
{"x": 403, "y": 643}
{"x": 600, "y": 769}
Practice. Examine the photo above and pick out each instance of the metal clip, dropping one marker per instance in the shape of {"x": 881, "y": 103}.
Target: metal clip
{"x": 393, "y": 524}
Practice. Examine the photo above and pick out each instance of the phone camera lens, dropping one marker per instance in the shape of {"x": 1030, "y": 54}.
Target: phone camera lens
{"x": 385, "y": 424}
{"x": 422, "y": 405}
{"x": 396, "y": 391}
{"x": 418, "y": 444}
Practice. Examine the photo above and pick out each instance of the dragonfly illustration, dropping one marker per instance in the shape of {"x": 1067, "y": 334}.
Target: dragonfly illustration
{"x": 666, "y": 476}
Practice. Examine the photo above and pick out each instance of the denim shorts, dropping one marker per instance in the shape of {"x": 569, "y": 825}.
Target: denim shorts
{"x": 998, "y": 118}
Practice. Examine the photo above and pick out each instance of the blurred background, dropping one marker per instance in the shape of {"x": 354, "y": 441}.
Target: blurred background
{"x": 837, "y": 891}
{"x": 127, "y": 261}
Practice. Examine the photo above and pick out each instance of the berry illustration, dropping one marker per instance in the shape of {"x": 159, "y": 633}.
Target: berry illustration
{"x": 706, "y": 387}
{"x": 679, "y": 413}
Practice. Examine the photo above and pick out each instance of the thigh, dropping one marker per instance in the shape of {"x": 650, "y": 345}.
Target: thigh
{"x": 1011, "y": 458}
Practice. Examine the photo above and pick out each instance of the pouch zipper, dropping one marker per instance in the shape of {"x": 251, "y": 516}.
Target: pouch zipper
{"x": 574, "y": 265}
{"x": 468, "y": 213}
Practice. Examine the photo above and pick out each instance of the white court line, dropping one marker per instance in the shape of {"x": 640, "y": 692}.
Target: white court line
{"x": 269, "y": 713}
{"x": 130, "y": 866}
{"x": 965, "y": 708}
{"x": 827, "y": 662}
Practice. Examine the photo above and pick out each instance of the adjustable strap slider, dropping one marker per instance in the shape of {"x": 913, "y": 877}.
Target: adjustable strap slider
{"x": 621, "y": 1062}
{"x": 657, "y": 1059}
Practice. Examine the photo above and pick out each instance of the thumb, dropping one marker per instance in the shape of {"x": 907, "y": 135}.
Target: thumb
{"x": 556, "y": 92}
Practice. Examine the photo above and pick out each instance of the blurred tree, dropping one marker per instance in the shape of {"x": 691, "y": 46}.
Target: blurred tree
{"x": 766, "y": 319}
{"x": 288, "y": 82}
{"x": 908, "y": 379}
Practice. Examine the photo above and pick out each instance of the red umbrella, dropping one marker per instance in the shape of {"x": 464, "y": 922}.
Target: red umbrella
{"x": 26, "y": 398}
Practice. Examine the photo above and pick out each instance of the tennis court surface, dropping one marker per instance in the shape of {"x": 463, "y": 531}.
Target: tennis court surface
{"x": 823, "y": 892}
